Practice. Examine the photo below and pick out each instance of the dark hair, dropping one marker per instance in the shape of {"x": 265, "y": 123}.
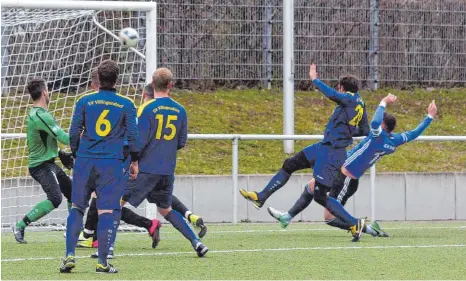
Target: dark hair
{"x": 108, "y": 73}
{"x": 349, "y": 84}
{"x": 149, "y": 90}
{"x": 389, "y": 121}
{"x": 35, "y": 88}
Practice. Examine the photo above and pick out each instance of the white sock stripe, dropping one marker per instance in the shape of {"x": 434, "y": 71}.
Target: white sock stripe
{"x": 357, "y": 153}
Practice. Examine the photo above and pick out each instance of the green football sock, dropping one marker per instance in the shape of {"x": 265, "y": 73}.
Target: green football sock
{"x": 69, "y": 206}
{"x": 40, "y": 210}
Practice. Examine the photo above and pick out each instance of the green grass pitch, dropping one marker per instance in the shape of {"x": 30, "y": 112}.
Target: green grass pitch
{"x": 417, "y": 250}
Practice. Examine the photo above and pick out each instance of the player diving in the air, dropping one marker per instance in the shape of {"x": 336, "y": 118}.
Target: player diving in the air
{"x": 43, "y": 135}
{"x": 163, "y": 128}
{"x": 105, "y": 119}
{"x": 326, "y": 157}
{"x": 380, "y": 142}
{"x": 87, "y": 237}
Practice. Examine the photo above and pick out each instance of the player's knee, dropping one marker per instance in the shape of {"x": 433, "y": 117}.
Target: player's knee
{"x": 55, "y": 199}
{"x": 289, "y": 166}
{"x": 164, "y": 211}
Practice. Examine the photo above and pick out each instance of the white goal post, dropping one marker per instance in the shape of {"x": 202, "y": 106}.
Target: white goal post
{"x": 62, "y": 42}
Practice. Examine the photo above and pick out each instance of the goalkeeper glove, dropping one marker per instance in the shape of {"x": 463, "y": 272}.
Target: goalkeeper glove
{"x": 66, "y": 159}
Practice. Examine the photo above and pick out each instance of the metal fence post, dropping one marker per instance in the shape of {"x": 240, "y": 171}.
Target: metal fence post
{"x": 374, "y": 44}
{"x": 267, "y": 52}
{"x": 373, "y": 171}
{"x": 234, "y": 174}
{"x": 288, "y": 73}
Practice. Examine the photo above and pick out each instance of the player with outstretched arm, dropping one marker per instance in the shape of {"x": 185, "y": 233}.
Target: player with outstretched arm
{"x": 380, "y": 142}
{"x": 328, "y": 155}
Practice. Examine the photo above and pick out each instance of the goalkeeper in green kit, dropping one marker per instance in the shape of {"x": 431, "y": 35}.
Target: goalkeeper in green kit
{"x": 43, "y": 135}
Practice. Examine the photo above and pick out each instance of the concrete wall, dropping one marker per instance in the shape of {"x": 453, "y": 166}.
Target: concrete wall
{"x": 399, "y": 196}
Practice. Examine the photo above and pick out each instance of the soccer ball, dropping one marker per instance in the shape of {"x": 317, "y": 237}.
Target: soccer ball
{"x": 129, "y": 37}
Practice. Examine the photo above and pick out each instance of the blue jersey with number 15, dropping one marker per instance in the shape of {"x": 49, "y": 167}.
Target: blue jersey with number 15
{"x": 104, "y": 119}
{"x": 163, "y": 129}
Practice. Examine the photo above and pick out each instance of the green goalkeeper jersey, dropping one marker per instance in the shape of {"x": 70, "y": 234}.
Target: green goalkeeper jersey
{"x": 43, "y": 135}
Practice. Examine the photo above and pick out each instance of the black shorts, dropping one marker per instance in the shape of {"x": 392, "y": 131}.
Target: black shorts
{"x": 156, "y": 189}
{"x": 298, "y": 162}
{"x": 53, "y": 180}
{"x": 343, "y": 188}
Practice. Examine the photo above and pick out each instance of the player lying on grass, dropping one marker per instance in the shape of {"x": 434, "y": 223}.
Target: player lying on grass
{"x": 43, "y": 135}
{"x": 380, "y": 142}
{"x": 88, "y": 239}
{"x": 163, "y": 128}
{"x": 101, "y": 122}
{"x": 327, "y": 156}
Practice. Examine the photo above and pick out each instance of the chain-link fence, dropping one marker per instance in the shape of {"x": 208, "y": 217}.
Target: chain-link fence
{"x": 230, "y": 43}
{"x": 395, "y": 42}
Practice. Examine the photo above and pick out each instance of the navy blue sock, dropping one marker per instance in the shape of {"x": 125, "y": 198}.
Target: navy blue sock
{"x": 275, "y": 184}
{"x": 105, "y": 236}
{"x": 304, "y": 200}
{"x": 339, "y": 211}
{"x": 336, "y": 222}
{"x": 74, "y": 223}
{"x": 178, "y": 221}
{"x": 116, "y": 223}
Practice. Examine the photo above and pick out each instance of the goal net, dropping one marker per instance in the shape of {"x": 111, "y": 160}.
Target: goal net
{"x": 61, "y": 45}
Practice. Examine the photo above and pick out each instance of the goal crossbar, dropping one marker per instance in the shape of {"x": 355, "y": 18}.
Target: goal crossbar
{"x": 80, "y": 5}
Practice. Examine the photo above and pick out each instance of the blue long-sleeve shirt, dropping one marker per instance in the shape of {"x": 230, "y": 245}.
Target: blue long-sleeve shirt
{"x": 163, "y": 129}
{"x": 104, "y": 119}
{"x": 348, "y": 119}
{"x": 379, "y": 143}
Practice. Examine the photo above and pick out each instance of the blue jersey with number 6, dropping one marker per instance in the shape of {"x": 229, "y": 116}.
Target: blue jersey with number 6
{"x": 104, "y": 119}
{"x": 163, "y": 129}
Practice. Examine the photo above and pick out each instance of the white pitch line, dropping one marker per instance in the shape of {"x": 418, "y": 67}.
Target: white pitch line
{"x": 254, "y": 251}
{"x": 280, "y": 230}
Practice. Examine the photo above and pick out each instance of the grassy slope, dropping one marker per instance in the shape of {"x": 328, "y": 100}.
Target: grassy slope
{"x": 260, "y": 112}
